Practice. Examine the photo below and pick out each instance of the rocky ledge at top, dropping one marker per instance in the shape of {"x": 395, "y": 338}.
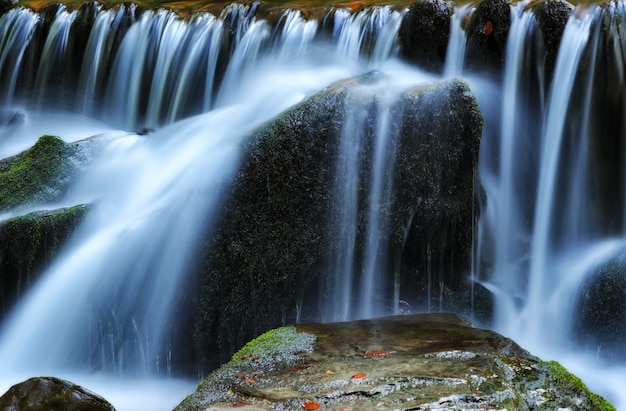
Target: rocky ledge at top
{"x": 416, "y": 362}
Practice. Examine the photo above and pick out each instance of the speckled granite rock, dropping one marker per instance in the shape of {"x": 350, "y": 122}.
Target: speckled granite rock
{"x": 417, "y": 362}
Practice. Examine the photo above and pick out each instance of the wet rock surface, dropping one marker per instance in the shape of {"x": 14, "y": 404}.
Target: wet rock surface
{"x": 416, "y": 362}
{"x": 49, "y": 393}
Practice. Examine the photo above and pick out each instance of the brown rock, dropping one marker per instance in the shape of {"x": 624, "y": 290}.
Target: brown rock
{"x": 50, "y": 393}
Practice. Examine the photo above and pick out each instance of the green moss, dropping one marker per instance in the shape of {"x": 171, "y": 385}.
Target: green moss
{"x": 274, "y": 342}
{"x": 565, "y": 382}
{"x": 28, "y": 244}
{"x": 38, "y": 175}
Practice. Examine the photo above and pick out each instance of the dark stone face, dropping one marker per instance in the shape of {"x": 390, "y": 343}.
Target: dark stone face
{"x": 600, "y": 322}
{"x": 487, "y": 34}
{"x": 424, "y": 34}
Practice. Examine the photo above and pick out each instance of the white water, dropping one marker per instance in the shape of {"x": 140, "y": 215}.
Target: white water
{"x": 100, "y": 315}
{"x": 538, "y": 208}
{"x": 155, "y": 179}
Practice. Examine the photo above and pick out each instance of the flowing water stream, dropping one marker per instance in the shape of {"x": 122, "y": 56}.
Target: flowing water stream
{"x": 200, "y": 85}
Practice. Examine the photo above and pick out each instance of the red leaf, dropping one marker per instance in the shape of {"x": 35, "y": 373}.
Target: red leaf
{"x": 488, "y": 28}
{"x": 358, "y": 376}
{"x": 311, "y": 405}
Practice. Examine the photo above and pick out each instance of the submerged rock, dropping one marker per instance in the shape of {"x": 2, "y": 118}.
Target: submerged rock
{"x": 417, "y": 362}
{"x": 50, "y": 393}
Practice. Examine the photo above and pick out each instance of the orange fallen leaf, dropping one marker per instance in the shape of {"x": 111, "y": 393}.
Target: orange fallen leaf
{"x": 330, "y": 372}
{"x": 311, "y": 405}
{"x": 488, "y": 28}
{"x": 358, "y": 376}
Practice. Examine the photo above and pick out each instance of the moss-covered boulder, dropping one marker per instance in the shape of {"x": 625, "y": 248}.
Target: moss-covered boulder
{"x": 418, "y": 362}
{"x": 40, "y": 174}
{"x": 424, "y": 34}
{"x": 34, "y": 178}
{"x": 267, "y": 260}
{"x": 30, "y": 243}
{"x": 50, "y": 393}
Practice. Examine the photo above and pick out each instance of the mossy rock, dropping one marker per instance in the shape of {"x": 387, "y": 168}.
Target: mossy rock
{"x": 569, "y": 391}
{"x": 28, "y": 244}
{"x": 426, "y": 361}
{"x": 268, "y": 255}
{"x": 40, "y": 174}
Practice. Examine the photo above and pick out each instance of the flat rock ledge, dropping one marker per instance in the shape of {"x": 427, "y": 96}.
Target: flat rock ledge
{"x": 413, "y": 362}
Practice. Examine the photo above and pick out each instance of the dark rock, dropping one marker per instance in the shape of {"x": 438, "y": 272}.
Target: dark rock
{"x": 433, "y": 196}
{"x": 600, "y": 323}
{"x": 268, "y": 256}
{"x": 487, "y": 34}
{"x": 424, "y": 34}
{"x": 38, "y": 175}
{"x": 6, "y": 5}
{"x": 552, "y": 15}
{"x": 28, "y": 244}
{"x": 17, "y": 119}
{"x": 42, "y": 173}
{"x": 416, "y": 362}
{"x": 49, "y": 393}
{"x": 144, "y": 131}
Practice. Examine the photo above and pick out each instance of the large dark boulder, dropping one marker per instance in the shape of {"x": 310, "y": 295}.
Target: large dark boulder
{"x": 50, "y": 393}
{"x": 424, "y": 34}
{"x": 267, "y": 260}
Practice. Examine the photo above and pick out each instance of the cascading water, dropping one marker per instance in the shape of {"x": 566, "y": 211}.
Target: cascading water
{"x": 540, "y": 237}
{"x": 107, "y": 305}
{"x": 542, "y": 227}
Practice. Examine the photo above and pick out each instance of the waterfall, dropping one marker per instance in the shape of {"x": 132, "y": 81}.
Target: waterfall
{"x": 108, "y": 305}
{"x": 543, "y": 238}
{"x": 551, "y": 168}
